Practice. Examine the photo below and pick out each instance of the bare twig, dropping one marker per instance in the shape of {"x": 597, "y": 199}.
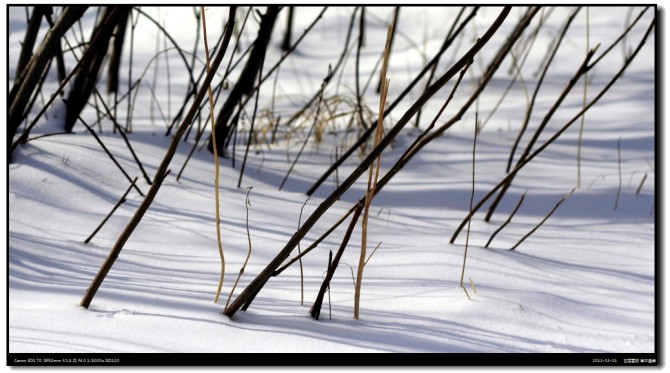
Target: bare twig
{"x": 48, "y": 135}
{"x": 641, "y": 183}
{"x": 472, "y": 285}
{"x": 102, "y": 145}
{"x": 372, "y": 183}
{"x": 330, "y": 264}
{"x": 107, "y": 111}
{"x": 129, "y": 109}
{"x": 618, "y": 192}
{"x": 543, "y": 220}
{"x": 446, "y": 44}
{"x": 371, "y": 254}
{"x": 581, "y": 125}
{"x": 472, "y": 197}
{"x": 394, "y": 25}
{"x": 317, "y": 242}
{"x": 29, "y": 38}
{"x": 302, "y": 281}
{"x": 509, "y": 219}
{"x": 247, "y": 203}
{"x": 316, "y": 120}
{"x": 122, "y": 132}
{"x": 359, "y": 104}
{"x": 177, "y": 47}
{"x": 116, "y": 206}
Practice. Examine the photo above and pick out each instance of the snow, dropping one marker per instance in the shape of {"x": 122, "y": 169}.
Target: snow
{"x": 583, "y": 282}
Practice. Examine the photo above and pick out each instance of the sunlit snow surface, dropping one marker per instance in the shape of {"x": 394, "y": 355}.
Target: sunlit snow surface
{"x": 583, "y": 282}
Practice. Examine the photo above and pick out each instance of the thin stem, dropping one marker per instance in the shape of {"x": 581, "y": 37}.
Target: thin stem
{"x": 372, "y": 184}
{"x": 394, "y": 25}
{"x": 543, "y": 220}
{"x": 247, "y": 203}
{"x": 373, "y": 253}
{"x": 509, "y": 219}
{"x": 581, "y": 125}
{"x": 618, "y": 192}
{"x": 129, "y": 109}
{"x": 300, "y": 112}
{"x": 641, "y": 183}
{"x": 102, "y": 145}
{"x": 169, "y": 80}
{"x": 318, "y": 241}
{"x": 179, "y": 50}
{"x": 359, "y": 105}
{"x": 311, "y": 129}
{"x": 216, "y": 162}
{"x": 116, "y": 206}
{"x": 472, "y": 197}
{"x": 447, "y": 42}
{"x": 302, "y": 281}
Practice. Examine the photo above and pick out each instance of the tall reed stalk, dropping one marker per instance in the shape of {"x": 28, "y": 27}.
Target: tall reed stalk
{"x": 216, "y": 163}
{"x": 372, "y": 183}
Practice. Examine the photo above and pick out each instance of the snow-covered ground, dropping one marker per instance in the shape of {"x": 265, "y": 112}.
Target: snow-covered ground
{"x": 583, "y": 282}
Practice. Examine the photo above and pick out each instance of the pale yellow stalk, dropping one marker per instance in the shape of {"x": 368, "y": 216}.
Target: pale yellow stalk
{"x": 372, "y": 184}
{"x": 216, "y": 163}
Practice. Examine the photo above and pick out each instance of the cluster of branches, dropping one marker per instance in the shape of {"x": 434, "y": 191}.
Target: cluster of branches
{"x": 107, "y": 40}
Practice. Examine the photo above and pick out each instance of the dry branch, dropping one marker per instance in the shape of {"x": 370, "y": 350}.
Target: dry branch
{"x": 372, "y": 183}
{"x": 102, "y": 145}
{"x": 116, "y": 206}
{"x": 247, "y": 203}
{"x": 509, "y": 219}
{"x": 543, "y": 220}
{"x": 472, "y": 197}
{"x": 641, "y": 184}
